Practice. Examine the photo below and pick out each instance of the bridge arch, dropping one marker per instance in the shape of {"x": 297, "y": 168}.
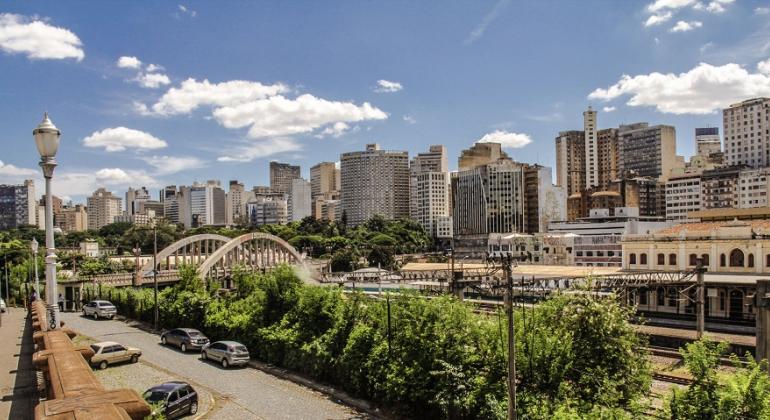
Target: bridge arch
{"x": 256, "y": 250}
{"x": 193, "y": 249}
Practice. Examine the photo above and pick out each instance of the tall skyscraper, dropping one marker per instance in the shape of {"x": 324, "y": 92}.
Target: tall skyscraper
{"x": 374, "y": 182}
{"x": 324, "y": 178}
{"x": 591, "y": 148}
{"x": 281, "y": 175}
{"x": 299, "y": 202}
{"x": 570, "y": 161}
{"x": 169, "y": 196}
{"x": 434, "y": 160}
{"x": 647, "y": 151}
{"x": 480, "y": 154}
{"x": 235, "y": 205}
{"x": 206, "y": 204}
{"x": 707, "y": 141}
{"x": 18, "y": 206}
{"x": 429, "y": 192}
{"x": 103, "y": 208}
{"x": 747, "y": 133}
{"x": 135, "y": 199}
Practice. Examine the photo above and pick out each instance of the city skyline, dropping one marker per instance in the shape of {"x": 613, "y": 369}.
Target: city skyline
{"x": 148, "y": 101}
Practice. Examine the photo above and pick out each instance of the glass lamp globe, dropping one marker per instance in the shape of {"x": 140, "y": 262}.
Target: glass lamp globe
{"x": 34, "y": 246}
{"x": 46, "y": 138}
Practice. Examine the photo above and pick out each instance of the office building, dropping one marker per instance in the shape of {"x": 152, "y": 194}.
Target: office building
{"x": 300, "y": 201}
{"x": 169, "y": 197}
{"x": 429, "y": 192}
{"x": 267, "y": 211}
{"x": 281, "y": 175}
{"x": 645, "y": 194}
{"x": 719, "y": 187}
{"x": 480, "y": 154}
{"x": 324, "y": 178}
{"x": 235, "y": 204}
{"x": 683, "y": 196}
{"x": 327, "y": 206}
{"x": 374, "y": 182}
{"x": 135, "y": 199}
{"x": 707, "y": 141}
{"x": 647, "y": 151}
{"x": 18, "y": 205}
{"x": 570, "y": 161}
{"x": 591, "y": 148}
{"x": 747, "y": 133}
{"x": 73, "y": 218}
{"x": 203, "y": 204}
{"x": 752, "y": 188}
{"x": 544, "y": 202}
{"x": 103, "y": 208}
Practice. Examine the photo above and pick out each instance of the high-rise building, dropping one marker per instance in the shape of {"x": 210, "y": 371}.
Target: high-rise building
{"x": 235, "y": 205}
{"x": 374, "y": 182}
{"x": 432, "y": 198}
{"x": 135, "y": 199}
{"x": 480, "y": 154}
{"x": 719, "y": 188}
{"x": 591, "y": 148}
{"x": 299, "y": 201}
{"x": 544, "y": 202}
{"x": 435, "y": 160}
{"x": 206, "y": 204}
{"x": 73, "y": 218}
{"x": 647, "y": 151}
{"x": 281, "y": 175}
{"x": 683, "y": 195}
{"x": 607, "y": 144}
{"x": 707, "y": 141}
{"x": 753, "y": 187}
{"x": 103, "y": 208}
{"x": 324, "y": 178}
{"x": 267, "y": 211}
{"x": 18, "y": 206}
{"x": 747, "y": 133}
{"x": 169, "y": 196}
{"x": 326, "y": 206}
{"x": 570, "y": 161}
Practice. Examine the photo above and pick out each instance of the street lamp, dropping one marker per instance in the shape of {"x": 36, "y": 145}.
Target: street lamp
{"x": 47, "y": 141}
{"x": 34, "y": 245}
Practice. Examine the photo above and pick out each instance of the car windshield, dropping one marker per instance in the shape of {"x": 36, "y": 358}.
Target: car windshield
{"x": 95, "y": 348}
{"x": 155, "y": 396}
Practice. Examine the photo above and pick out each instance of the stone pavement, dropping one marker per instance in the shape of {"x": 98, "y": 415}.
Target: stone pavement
{"x": 18, "y": 379}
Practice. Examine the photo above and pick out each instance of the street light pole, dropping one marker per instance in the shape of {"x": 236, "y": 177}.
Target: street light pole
{"x": 47, "y": 141}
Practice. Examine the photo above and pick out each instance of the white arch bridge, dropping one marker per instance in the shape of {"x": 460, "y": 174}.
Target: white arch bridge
{"x": 214, "y": 256}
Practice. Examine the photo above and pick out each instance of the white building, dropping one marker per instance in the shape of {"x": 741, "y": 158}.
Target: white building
{"x": 135, "y": 199}
{"x": 753, "y": 186}
{"x": 746, "y": 133}
{"x": 103, "y": 208}
{"x": 434, "y": 160}
{"x": 267, "y": 211}
{"x": 432, "y": 200}
{"x": 300, "y": 200}
{"x": 707, "y": 141}
{"x": 683, "y": 195}
{"x": 202, "y": 205}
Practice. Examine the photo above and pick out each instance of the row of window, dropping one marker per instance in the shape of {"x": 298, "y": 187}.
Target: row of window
{"x": 736, "y": 259}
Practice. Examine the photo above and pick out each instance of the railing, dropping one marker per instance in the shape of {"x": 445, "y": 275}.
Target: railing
{"x": 74, "y": 392}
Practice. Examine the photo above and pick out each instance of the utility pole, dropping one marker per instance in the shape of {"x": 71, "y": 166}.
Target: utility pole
{"x": 700, "y": 299}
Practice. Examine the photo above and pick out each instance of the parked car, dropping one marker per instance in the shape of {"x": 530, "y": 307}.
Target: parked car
{"x": 110, "y": 352}
{"x": 184, "y": 338}
{"x": 229, "y": 353}
{"x": 2, "y": 305}
{"x": 174, "y": 398}
{"x": 100, "y": 309}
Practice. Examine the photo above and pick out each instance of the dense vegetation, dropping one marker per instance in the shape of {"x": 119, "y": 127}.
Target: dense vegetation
{"x": 577, "y": 355}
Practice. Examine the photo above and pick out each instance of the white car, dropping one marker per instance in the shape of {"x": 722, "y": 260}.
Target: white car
{"x": 100, "y": 309}
{"x": 2, "y": 305}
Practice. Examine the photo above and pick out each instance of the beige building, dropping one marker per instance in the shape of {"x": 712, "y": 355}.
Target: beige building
{"x": 103, "y": 207}
{"x": 570, "y": 161}
{"x": 73, "y": 218}
{"x": 374, "y": 182}
{"x": 281, "y": 175}
{"x": 324, "y": 186}
{"x": 429, "y": 197}
{"x": 747, "y": 133}
{"x": 480, "y": 154}
{"x": 235, "y": 203}
{"x": 647, "y": 151}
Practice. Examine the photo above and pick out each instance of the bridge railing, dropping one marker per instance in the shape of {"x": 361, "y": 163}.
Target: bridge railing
{"x": 73, "y": 390}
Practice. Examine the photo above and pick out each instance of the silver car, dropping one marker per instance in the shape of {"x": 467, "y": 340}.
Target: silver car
{"x": 228, "y": 353}
{"x": 100, "y": 309}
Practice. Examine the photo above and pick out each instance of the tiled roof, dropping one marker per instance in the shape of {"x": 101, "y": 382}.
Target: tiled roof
{"x": 705, "y": 227}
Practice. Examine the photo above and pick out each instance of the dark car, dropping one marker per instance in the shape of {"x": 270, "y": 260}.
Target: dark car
{"x": 174, "y": 398}
{"x": 184, "y": 338}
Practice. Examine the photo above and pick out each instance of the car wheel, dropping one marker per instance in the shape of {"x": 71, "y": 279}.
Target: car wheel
{"x": 163, "y": 340}
{"x": 96, "y": 316}
{"x": 204, "y": 355}
{"x": 225, "y": 364}
{"x": 194, "y": 407}
{"x": 183, "y": 347}
{"x": 103, "y": 364}
{"x": 134, "y": 359}
{"x": 84, "y": 313}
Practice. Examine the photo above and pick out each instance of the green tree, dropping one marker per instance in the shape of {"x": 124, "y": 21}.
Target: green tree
{"x": 383, "y": 257}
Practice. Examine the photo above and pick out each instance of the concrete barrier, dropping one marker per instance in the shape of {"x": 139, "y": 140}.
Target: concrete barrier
{"x": 74, "y": 392}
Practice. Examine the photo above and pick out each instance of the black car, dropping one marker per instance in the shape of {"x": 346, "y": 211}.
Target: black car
{"x": 174, "y": 398}
{"x": 184, "y": 338}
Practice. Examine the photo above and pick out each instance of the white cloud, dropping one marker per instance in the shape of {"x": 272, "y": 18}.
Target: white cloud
{"x": 409, "y": 119}
{"x": 659, "y": 5}
{"x": 191, "y": 94}
{"x": 165, "y": 165}
{"x": 186, "y": 10}
{"x": 657, "y": 19}
{"x": 718, "y": 6}
{"x": 705, "y": 47}
{"x": 683, "y": 26}
{"x": 335, "y": 130}
{"x": 153, "y": 80}
{"x": 129, "y": 62}
{"x": 384, "y": 86}
{"x": 37, "y": 39}
{"x": 11, "y": 171}
{"x": 154, "y": 67}
{"x": 764, "y": 67}
{"x": 762, "y": 10}
{"x": 119, "y": 139}
{"x": 701, "y": 90}
{"x": 609, "y": 109}
{"x": 260, "y": 149}
{"x": 506, "y": 139}
{"x": 280, "y": 116}
{"x": 490, "y": 17}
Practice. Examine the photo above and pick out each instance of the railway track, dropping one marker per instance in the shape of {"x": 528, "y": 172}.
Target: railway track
{"x": 671, "y": 379}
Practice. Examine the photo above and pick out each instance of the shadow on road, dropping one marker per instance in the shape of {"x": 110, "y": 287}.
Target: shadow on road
{"x": 24, "y": 396}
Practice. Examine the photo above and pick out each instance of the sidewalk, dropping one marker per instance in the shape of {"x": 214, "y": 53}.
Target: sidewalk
{"x": 18, "y": 380}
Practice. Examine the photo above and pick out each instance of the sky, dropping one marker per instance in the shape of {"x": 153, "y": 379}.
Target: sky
{"x": 163, "y": 93}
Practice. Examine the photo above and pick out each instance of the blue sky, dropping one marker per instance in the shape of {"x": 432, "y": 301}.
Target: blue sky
{"x": 215, "y": 90}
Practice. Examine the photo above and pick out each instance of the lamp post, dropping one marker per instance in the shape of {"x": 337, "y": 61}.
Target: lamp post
{"x": 47, "y": 141}
{"x": 155, "y": 269}
{"x": 34, "y": 245}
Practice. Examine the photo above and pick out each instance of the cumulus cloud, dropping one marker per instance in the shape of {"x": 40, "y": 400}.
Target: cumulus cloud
{"x": 261, "y": 149}
{"x": 129, "y": 62}
{"x": 152, "y": 80}
{"x": 37, "y": 39}
{"x": 506, "y": 139}
{"x": 335, "y": 130}
{"x": 119, "y": 139}
{"x": 682, "y": 26}
{"x": 11, "y": 171}
{"x": 409, "y": 119}
{"x": 659, "y": 5}
{"x": 154, "y": 67}
{"x": 280, "y": 116}
{"x": 762, "y": 11}
{"x": 384, "y": 86}
{"x": 715, "y": 6}
{"x": 657, "y": 19}
{"x": 192, "y": 94}
{"x": 764, "y": 67}
{"x": 609, "y": 109}
{"x": 165, "y": 165}
{"x": 701, "y": 90}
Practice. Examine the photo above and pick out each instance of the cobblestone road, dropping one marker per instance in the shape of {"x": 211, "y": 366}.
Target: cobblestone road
{"x": 241, "y": 393}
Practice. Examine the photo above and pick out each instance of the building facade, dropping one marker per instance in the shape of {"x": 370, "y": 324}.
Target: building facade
{"x": 325, "y": 185}
{"x": 374, "y": 182}
{"x": 235, "y": 203}
{"x": 683, "y": 195}
{"x": 752, "y": 188}
{"x": 707, "y": 141}
{"x": 267, "y": 211}
{"x": 719, "y": 187}
{"x": 281, "y": 175}
{"x": 135, "y": 199}
{"x": 73, "y": 218}
{"x": 591, "y": 148}
{"x": 103, "y": 208}
{"x": 18, "y": 205}
{"x": 300, "y": 201}
{"x": 570, "y": 161}
{"x": 429, "y": 195}
{"x": 480, "y": 154}
{"x": 647, "y": 151}
{"x": 747, "y": 133}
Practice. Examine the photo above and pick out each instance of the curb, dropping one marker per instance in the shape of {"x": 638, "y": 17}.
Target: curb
{"x": 341, "y": 396}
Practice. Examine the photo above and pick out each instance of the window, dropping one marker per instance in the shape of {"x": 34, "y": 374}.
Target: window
{"x": 671, "y": 259}
{"x": 661, "y": 295}
{"x": 705, "y": 258}
{"x": 693, "y": 259}
{"x": 722, "y": 260}
{"x": 643, "y": 259}
{"x": 751, "y": 260}
{"x": 632, "y": 258}
{"x": 736, "y": 258}
{"x": 643, "y": 297}
{"x": 767, "y": 260}
{"x": 661, "y": 259}
{"x": 672, "y": 296}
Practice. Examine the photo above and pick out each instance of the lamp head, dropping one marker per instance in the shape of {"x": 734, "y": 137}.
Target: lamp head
{"x": 46, "y": 138}
{"x": 34, "y": 245}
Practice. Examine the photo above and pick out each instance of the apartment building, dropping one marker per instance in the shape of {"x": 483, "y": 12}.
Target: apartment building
{"x": 752, "y": 188}
{"x": 281, "y": 175}
{"x": 747, "y": 133}
{"x": 18, "y": 206}
{"x": 103, "y": 208}
{"x": 683, "y": 196}
{"x": 429, "y": 197}
{"x": 73, "y": 218}
{"x": 719, "y": 187}
{"x": 299, "y": 200}
{"x": 647, "y": 151}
